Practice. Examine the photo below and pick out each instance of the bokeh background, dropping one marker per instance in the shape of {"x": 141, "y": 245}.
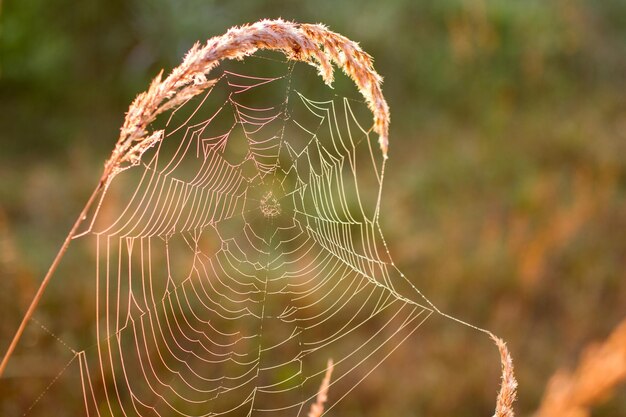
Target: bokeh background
{"x": 505, "y": 196}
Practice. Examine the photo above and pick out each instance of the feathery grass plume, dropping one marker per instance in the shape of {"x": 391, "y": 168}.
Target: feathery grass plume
{"x": 601, "y": 368}
{"x": 508, "y": 386}
{"x": 311, "y": 43}
{"x": 317, "y": 408}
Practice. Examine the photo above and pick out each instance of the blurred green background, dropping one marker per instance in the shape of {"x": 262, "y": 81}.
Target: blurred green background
{"x": 505, "y": 193}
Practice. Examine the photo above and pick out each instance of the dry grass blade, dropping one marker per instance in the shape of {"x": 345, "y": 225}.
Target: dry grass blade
{"x": 317, "y": 408}
{"x": 508, "y": 386}
{"x": 601, "y": 368}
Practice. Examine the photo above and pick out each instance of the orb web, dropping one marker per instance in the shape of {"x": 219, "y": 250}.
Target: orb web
{"x": 243, "y": 253}
{"x": 239, "y": 265}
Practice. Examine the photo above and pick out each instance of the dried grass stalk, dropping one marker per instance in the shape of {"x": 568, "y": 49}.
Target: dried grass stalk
{"x": 317, "y": 408}
{"x": 601, "y": 368}
{"x": 310, "y": 43}
{"x": 313, "y": 44}
{"x": 508, "y": 386}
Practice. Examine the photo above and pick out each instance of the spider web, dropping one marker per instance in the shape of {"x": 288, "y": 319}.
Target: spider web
{"x": 244, "y": 253}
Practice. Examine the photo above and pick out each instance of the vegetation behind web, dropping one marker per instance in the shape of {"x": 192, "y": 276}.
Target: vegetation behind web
{"x": 504, "y": 196}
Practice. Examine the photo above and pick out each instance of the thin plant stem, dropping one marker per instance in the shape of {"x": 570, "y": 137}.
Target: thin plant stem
{"x": 46, "y": 280}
